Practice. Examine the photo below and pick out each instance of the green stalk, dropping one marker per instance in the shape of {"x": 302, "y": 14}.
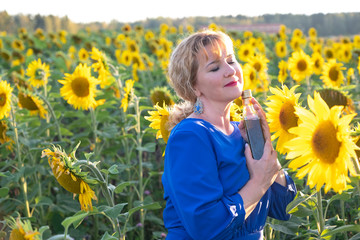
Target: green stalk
{"x": 308, "y": 84}
{"x": 321, "y": 222}
{"x": 47, "y": 116}
{"x": 51, "y": 110}
{"x": 94, "y": 127}
{"x": 342, "y": 207}
{"x": 103, "y": 185}
{"x": 141, "y": 186}
{"x": 21, "y": 164}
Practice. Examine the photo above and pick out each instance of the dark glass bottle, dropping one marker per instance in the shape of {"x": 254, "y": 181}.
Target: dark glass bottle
{"x": 253, "y": 126}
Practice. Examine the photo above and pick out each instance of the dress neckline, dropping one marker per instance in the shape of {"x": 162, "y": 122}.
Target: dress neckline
{"x": 212, "y": 125}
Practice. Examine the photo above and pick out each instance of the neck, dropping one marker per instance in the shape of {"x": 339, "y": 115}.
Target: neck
{"x": 219, "y": 117}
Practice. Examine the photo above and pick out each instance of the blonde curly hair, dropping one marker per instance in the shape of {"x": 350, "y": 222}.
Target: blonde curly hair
{"x": 183, "y": 68}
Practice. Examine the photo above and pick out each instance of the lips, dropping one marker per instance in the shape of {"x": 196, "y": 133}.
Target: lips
{"x": 231, "y": 84}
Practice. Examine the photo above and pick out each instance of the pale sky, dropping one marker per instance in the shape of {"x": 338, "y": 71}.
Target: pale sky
{"x": 134, "y": 10}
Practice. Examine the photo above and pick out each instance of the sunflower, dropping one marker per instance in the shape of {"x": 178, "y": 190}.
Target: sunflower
{"x": 316, "y": 47}
{"x": 297, "y": 33}
{"x": 100, "y": 65}
{"x": 18, "y": 45}
{"x": 159, "y": 120}
{"x": 235, "y": 112}
{"x": 83, "y": 55}
{"x": 79, "y": 88}
{"x": 283, "y": 71}
{"x": 344, "y": 53}
{"x": 332, "y": 75}
{"x": 312, "y": 33}
{"x": 259, "y": 63}
{"x": 318, "y": 62}
{"x": 160, "y": 95}
{"x": 245, "y": 52}
{"x": 134, "y": 71}
{"x": 251, "y": 80}
{"x": 4, "y": 54}
{"x": 300, "y": 65}
{"x": 149, "y": 35}
{"x": 126, "y": 28}
{"x": 129, "y": 84}
{"x": 72, "y": 52}
{"x": 329, "y": 52}
{"x": 3, "y": 137}
{"x": 22, "y": 230}
{"x": 338, "y": 97}
{"x": 69, "y": 176}
{"x": 126, "y": 57}
{"x": 38, "y": 73}
{"x": 136, "y": 59}
{"x": 32, "y": 103}
{"x": 356, "y": 41}
{"x": 5, "y": 99}
{"x": 297, "y": 43}
{"x": 132, "y": 46}
{"x": 39, "y": 33}
{"x": 62, "y": 36}
{"x": 350, "y": 75}
{"x": 281, "y": 49}
{"x": 147, "y": 61}
{"x": 356, "y": 136}
{"x": 322, "y": 148}
{"x": 282, "y": 32}
{"x": 281, "y": 114}
{"x": 190, "y": 28}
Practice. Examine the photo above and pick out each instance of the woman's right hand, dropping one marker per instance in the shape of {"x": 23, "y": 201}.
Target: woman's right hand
{"x": 263, "y": 173}
{"x": 265, "y": 170}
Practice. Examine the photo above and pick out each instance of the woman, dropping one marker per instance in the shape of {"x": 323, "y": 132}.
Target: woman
{"x": 213, "y": 187}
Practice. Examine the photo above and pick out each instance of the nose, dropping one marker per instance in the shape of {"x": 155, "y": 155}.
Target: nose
{"x": 230, "y": 71}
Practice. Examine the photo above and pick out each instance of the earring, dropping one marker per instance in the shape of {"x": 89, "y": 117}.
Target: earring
{"x": 198, "y": 107}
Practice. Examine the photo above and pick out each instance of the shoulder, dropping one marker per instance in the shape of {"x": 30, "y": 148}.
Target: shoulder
{"x": 191, "y": 125}
{"x": 190, "y": 133}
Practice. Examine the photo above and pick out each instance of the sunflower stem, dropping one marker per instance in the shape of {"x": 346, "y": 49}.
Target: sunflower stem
{"x": 21, "y": 164}
{"x": 94, "y": 127}
{"x": 105, "y": 190}
{"x": 47, "y": 116}
{"x": 321, "y": 223}
{"x": 140, "y": 152}
{"x": 51, "y": 110}
{"x": 308, "y": 84}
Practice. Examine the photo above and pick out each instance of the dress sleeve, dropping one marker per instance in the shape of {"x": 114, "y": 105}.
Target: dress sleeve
{"x": 195, "y": 190}
{"x": 281, "y": 196}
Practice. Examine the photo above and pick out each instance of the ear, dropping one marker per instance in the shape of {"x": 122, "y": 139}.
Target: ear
{"x": 197, "y": 91}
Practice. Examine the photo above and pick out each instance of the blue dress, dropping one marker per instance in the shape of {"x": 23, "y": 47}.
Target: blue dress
{"x": 204, "y": 170}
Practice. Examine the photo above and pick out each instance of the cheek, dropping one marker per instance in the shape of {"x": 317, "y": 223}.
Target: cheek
{"x": 239, "y": 73}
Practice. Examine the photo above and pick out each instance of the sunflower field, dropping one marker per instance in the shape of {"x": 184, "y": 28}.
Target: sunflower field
{"x": 83, "y": 129}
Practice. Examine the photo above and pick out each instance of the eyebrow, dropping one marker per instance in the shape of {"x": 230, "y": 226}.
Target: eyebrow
{"x": 217, "y": 59}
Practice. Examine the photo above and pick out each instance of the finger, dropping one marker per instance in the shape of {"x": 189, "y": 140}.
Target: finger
{"x": 264, "y": 123}
{"x": 241, "y": 124}
{"x": 242, "y": 129}
{"x": 248, "y": 154}
{"x": 267, "y": 149}
{"x": 258, "y": 106}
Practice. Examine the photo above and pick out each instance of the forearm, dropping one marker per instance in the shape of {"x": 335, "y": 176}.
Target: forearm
{"x": 251, "y": 194}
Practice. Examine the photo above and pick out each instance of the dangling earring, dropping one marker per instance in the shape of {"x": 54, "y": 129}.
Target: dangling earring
{"x": 198, "y": 107}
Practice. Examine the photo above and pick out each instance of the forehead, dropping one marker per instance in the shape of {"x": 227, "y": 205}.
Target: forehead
{"x": 215, "y": 49}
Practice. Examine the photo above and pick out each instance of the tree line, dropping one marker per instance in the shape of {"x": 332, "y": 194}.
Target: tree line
{"x": 333, "y": 24}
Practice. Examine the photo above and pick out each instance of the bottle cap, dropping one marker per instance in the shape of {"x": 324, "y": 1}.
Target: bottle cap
{"x": 247, "y": 93}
